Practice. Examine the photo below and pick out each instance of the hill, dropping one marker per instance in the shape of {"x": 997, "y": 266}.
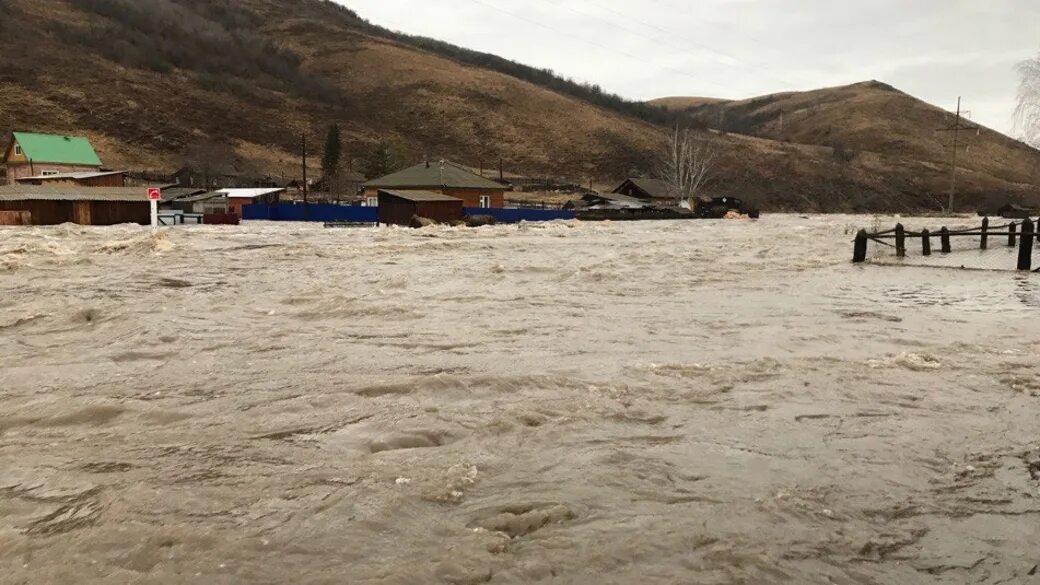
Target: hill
{"x": 874, "y": 120}
{"x": 156, "y": 83}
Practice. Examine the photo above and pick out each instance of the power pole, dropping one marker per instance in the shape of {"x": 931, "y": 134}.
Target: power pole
{"x": 303, "y": 149}
{"x": 956, "y": 129}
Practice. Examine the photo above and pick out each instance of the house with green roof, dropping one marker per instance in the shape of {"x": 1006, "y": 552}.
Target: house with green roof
{"x": 31, "y": 155}
{"x": 446, "y": 178}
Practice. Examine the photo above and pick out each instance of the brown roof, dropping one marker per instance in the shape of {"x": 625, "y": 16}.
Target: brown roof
{"x": 418, "y": 195}
{"x": 653, "y": 188}
{"x": 71, "y": 193}
{"x": 435, "y": 175}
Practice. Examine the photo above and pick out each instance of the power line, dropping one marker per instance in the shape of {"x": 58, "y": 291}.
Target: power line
{"x": 956, "y": 130}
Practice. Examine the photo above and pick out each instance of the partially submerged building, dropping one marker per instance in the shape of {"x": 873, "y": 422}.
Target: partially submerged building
{"x": 52, "y": 205}
{"x": 400, "y": 207}
{"x": 239, "y": 198}
{"x": 652, "y": 191}
{"x": 445, "y": 178}
{"x": 42, "y": 155}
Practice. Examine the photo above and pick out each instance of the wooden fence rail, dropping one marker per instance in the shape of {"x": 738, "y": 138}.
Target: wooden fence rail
{"x": 1021, "y": 234}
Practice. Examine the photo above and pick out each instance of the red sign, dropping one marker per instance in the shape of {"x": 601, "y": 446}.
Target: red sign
{"x": 154, "y": 194}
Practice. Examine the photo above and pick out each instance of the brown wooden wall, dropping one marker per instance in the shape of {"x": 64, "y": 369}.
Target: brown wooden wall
{"x": 396, "y": 211}
{"x": 83, "y": 212}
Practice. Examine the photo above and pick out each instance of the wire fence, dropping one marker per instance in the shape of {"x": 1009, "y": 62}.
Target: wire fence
{"x": 1014, "y": 245}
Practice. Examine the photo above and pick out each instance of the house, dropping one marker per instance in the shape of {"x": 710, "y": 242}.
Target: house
{"x": 79, "y": 179}
{"x": 34, "y": 155}
{"x": 399, "y": 207}
{"x": 446, "y": 178}
{"x": 56, "y": 204}
{"x": 239, "y": 198}
{"x": 650, "y": 190}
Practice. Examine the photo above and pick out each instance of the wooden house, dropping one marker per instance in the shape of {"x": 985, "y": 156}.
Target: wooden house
{"x": 43, "y": 155}
{"x": 652, "y": 191}
{"x": 446, "y": 178}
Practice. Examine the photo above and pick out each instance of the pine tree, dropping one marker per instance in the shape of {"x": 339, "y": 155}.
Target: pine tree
{"x": 330, "y": 160}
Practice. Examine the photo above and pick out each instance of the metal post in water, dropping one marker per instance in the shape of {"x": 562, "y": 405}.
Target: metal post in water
{"x": 859, "y": 251}
{"x": 1025, "y": 250}
{"x": 900, "y": 241}
{"x": 926, "y": 242}
{"x": 985, "y": 233}
{"x": 944, "y": 235}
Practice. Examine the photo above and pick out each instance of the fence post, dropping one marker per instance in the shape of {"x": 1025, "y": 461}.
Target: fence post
{"x": 1025, "y": 250}
{"x": 900, "y": 240}
{"x": 945, "y": 236}
{"x": 926, "y": 242}
{"x": 859, "y": 252}
{"x": 1011, "y": 235}
{"x": 985, "y": 233}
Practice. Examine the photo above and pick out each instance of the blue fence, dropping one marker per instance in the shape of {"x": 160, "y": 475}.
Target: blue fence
{"x": 311, "y": 212}
{"x": 518, "y": 215}
{"x": 326, "y": 212}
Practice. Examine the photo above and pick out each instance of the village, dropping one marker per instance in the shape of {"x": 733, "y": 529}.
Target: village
{"x": 50, "y": 179}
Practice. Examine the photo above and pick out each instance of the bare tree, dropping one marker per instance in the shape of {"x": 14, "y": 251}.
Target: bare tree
{"x": 1027, "y": 115}
{"x": 687, "y": 163}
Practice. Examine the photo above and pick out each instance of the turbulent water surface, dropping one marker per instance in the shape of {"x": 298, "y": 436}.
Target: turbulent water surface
{"x": 689, "y": 402}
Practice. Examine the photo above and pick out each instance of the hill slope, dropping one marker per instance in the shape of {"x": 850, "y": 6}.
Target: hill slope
{"x": 875, "y": 119}
{"x": 155, "y": 83}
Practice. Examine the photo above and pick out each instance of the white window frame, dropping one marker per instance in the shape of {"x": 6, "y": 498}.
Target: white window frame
{"x": 18, "y": 149}
{"x": 372, "y": 202}
{"x": 49, "y": 173}
{"x": 485, "y": 202}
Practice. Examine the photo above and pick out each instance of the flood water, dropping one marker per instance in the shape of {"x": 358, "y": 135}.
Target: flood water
{"x": 689, "y": 402}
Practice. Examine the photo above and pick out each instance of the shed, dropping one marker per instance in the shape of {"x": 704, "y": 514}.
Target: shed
{"x": 399, "y": 207}
{"x": 52, "y": 205}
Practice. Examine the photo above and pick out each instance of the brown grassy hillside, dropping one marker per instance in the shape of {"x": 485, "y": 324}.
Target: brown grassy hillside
{"x": 157, "y": 82}
{"x": 874, "y": 120}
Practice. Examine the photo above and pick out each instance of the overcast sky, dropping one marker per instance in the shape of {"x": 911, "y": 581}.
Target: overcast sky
{"x": 642, "y": 49}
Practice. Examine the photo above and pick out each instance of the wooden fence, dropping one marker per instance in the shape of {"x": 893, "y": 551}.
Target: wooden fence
{"x": 1021, "y": 234}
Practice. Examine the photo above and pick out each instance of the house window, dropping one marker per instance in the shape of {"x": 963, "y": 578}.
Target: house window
{"x": 372, "y": 202}
{"x": 18, "y": 149}
{"x": 485, "y": 201}
{"x": 50, "y": 173}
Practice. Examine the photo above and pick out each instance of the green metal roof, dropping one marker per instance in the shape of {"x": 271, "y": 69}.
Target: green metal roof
{"x": 55, "y": 149}
{"x": 435, "y": 175}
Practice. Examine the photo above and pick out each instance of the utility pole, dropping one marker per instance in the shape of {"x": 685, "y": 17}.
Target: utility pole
{"x": 956, "y": 129}
{"x": 303, "y": 145}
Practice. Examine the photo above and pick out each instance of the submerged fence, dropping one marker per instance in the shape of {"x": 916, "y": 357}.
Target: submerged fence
{"x": 1017, "y": 239}
{"x": 322, "y": 212}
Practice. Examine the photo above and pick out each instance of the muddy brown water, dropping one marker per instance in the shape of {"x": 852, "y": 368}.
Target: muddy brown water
{"x": 690, "y": 402}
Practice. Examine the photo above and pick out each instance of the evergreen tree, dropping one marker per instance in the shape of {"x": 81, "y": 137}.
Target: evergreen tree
{"x": 330, "y": 160}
